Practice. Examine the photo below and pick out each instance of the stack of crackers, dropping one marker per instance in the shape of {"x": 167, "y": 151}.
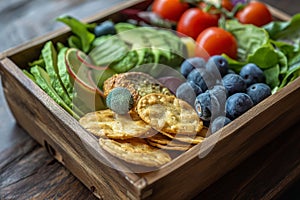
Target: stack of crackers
{"x": 158, "y": 124}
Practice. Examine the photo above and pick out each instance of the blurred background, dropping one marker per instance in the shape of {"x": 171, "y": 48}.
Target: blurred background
{"x": 22, "y": 20}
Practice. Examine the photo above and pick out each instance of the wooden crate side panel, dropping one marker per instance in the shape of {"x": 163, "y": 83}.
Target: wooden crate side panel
{"x": 50, "y": 127}
{"x": 237, "y": 141}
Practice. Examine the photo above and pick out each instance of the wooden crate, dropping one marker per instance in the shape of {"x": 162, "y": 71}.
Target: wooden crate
{"x": 184, "y": 177}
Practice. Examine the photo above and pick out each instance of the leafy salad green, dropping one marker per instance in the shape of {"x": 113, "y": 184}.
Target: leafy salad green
{"x": 275, "y": 48}
{"x": 89, "y": 60}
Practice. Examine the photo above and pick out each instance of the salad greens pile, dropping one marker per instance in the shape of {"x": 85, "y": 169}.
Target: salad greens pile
{"x": 89, "y": 59}
{"x": 275, "y": 48}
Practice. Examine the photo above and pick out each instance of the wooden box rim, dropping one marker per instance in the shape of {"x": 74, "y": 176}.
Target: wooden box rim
{"x": 142, "y": 183}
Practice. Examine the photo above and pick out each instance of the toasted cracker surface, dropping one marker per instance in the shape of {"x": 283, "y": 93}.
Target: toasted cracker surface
{"x": 106, "y": 123}
{"x": 135, "y": 151}
{"x": 169, "y": 114}
{"x": 191, "y": 139}
{"x": 170, "y": 147}
{"x": 138, "y": 83}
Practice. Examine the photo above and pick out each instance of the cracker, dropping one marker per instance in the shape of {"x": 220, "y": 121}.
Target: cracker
{"x": 105, "y": 123}
{"x": 138, "y": 83}
{"x": 135, "y": 151}
{"x": 170, "y": 147}
{"x": 191, "y": 139}
{"x": 169, "y": 114}
{"x": 161, "y": 141}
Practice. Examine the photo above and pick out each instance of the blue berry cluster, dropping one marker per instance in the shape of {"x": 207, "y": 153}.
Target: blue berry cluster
{"x": 218, "y": 94}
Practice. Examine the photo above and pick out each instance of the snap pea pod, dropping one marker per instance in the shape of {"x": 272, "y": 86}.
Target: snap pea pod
{"x": 39, "y": 62}
{"x": 50, "y": 57}
{"x": 63, "y": 72}
{"x": 43, "y": 81}
{"x": 28, "y": 75}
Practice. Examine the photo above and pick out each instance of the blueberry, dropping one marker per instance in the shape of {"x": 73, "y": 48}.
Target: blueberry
{"x": 191, "y": 63}
{"x": 234, "y": 83}
{"x": 105, "y": 28}
{"x": 217, "y": 62}
{"x": 119, "y": 100}
{"x": 188, "y": 91}
{"x": 258, "y": 92}
{"x": 201, "y": 78}
{"x": 251, "y": 73}
{"x": 219, "y": 91}
{"x": 237, "y": 104}
{"x": 219, "y": 123}
{"x": 206, "y": 105}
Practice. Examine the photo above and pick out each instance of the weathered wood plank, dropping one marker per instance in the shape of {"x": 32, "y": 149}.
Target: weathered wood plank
{"x": 29, "y": 19}
{"x": 33, "y": 174}
{"x": 271, "y": 168}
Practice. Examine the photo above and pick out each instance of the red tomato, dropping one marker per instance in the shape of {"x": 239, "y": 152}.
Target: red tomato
{"x": 255, "y": 13}
{"x": 216, "y": 41}
{"x": 227, "y": 5}
{"x": 194, "y": 21}
{"x": 169, "y": 9}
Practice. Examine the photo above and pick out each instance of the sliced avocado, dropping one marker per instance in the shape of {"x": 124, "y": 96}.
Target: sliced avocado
{"x": 126, "y": 63}
{"x": 43, "y": 80}
{"x": 50, "y": 57}
{"x": 123, "y": 26}
{"x": 108, "y": 50}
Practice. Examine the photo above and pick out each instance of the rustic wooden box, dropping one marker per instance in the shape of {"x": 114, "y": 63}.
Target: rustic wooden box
{"x": 184, "y": 177}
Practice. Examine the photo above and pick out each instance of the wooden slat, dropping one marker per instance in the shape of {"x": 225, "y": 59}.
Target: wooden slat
{"x": 46, "y": 121}
{"x": 52, "y": 127}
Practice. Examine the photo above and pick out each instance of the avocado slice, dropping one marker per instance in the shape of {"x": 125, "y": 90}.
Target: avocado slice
{"x": 108, "y": 49}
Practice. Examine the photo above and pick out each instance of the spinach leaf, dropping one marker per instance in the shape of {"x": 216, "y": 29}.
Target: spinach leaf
{"x": 80, "y": 29}
{"x": 265, "y": 57}
{"x": 289, "y": 30}
{"x": 249, "y": 38}
{"x": 272, "y": 76}
{"x": 293, "y": 73}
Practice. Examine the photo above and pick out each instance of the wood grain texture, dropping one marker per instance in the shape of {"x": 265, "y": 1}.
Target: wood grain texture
{"x": 264, "y": 175}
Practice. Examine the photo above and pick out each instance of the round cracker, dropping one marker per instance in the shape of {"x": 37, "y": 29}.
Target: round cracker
{"x": 169, "y": 114}
{"x": 170, "y": 147}
{"x": 191, "y": 139}
{"x": 135, "y": 151}
{"x": 138, "y": 83}
{"x": 106, "y": 123}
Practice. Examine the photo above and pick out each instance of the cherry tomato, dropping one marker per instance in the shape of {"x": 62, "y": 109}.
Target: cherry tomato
{"x": 216, "y": 41}
{"x": 255, "y": 13}
{"x": 169, "y": 9}
{"x": 227, "y": 4}
{"x": 194, "y": 21}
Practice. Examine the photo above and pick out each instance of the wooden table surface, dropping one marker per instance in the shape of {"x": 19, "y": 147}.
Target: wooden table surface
{"x": 27, "y": 171}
